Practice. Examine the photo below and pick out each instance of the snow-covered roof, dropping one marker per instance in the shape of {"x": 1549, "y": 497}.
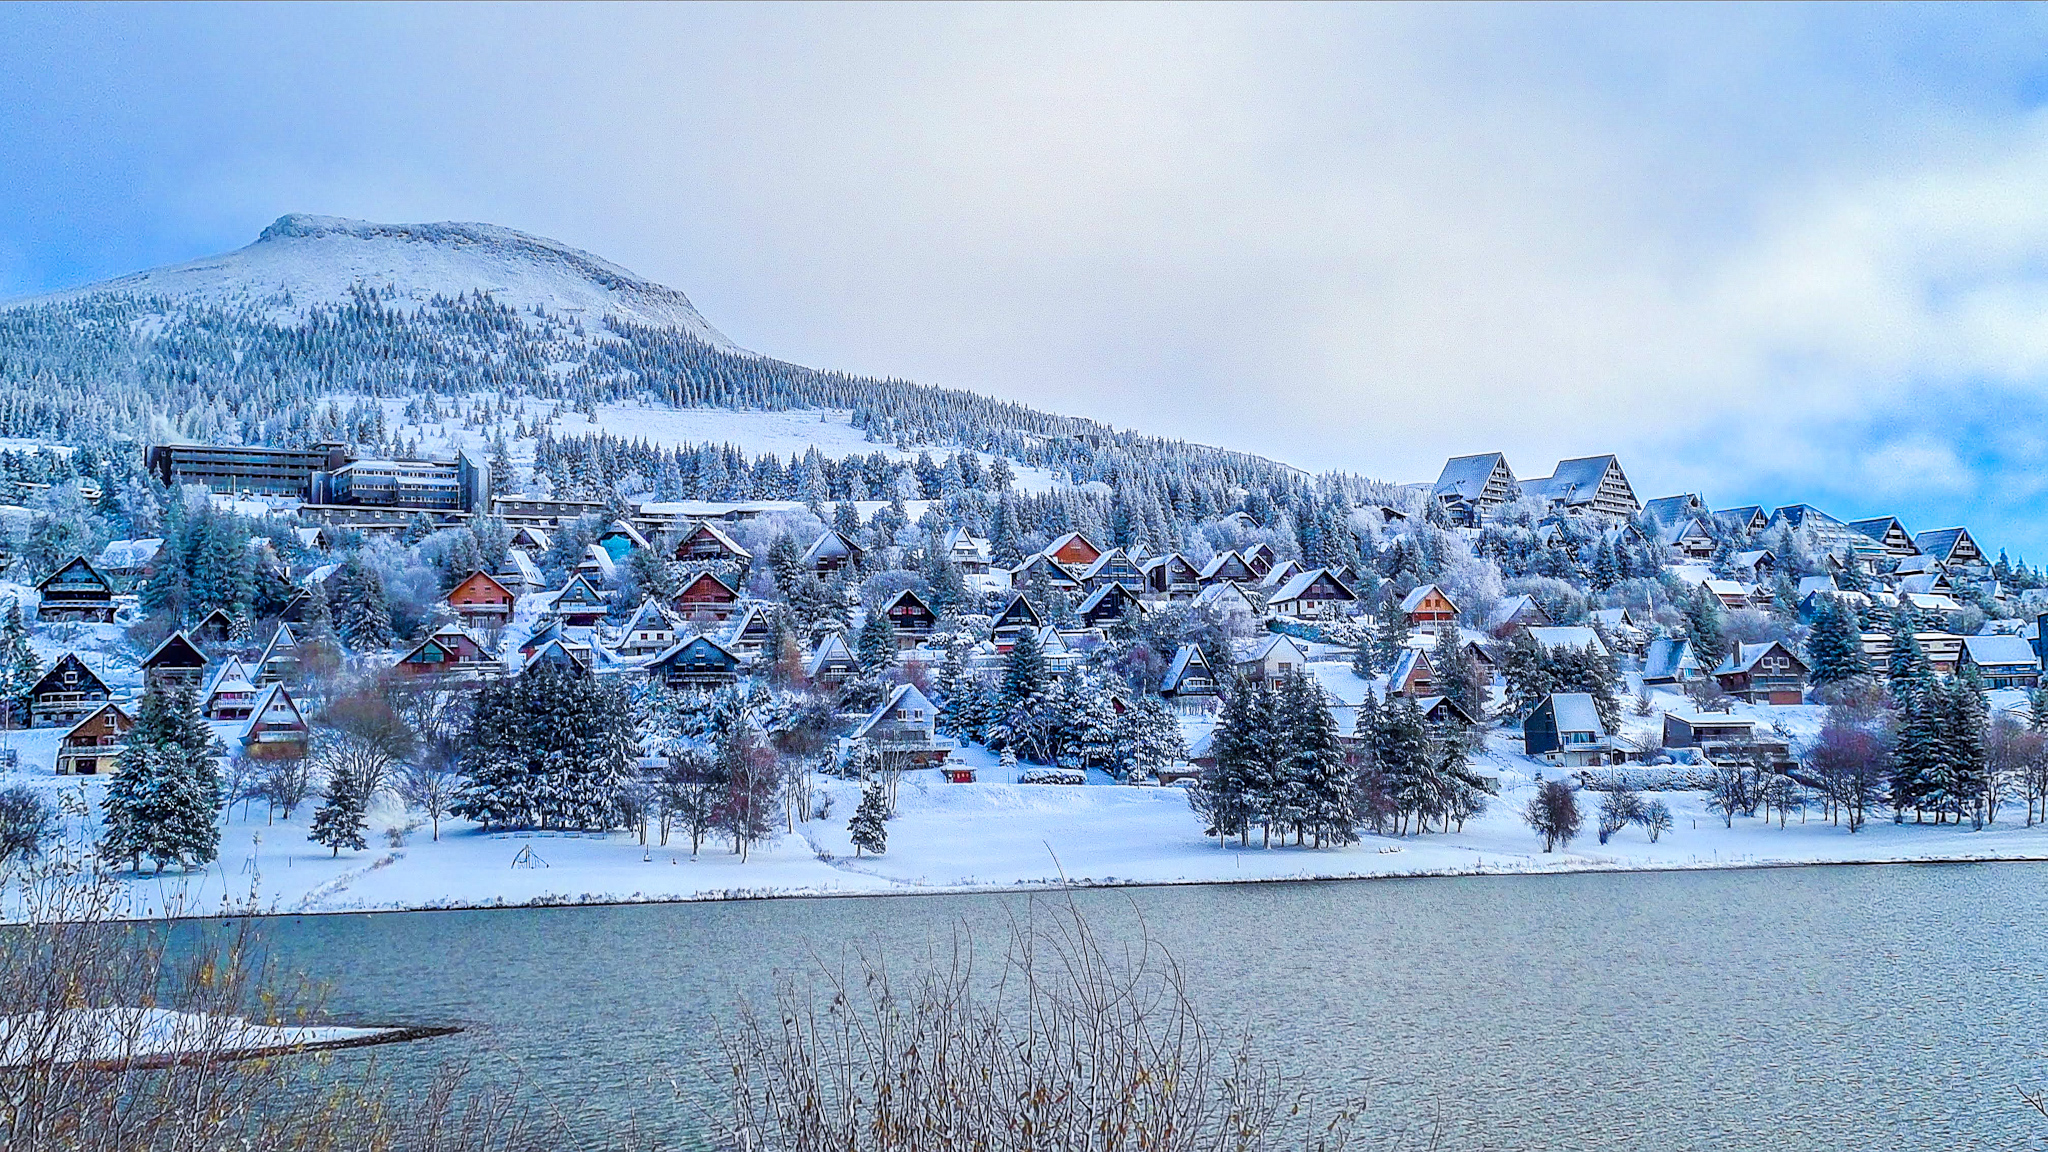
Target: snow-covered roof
{"x": 1614, "y": 619}
{"x": 1939, "y": 542}
{"x": 129, "y": 554}
{"x": 1668, "y": 509}
{"x": 1573, "y": 481}
{"x": 1413, "y": 601}
{"x": 905, "y": 696}
{"x": 1808, "y": 585}
{"x": 2008, "y": 649}
{"x": 1570, "y": 636}
{"x": 1301, "y": 582}
{"x": 718, "y": 534}
{"x": 1745, "y": 657}
{"x": 1189, "y": 656}
{"x": 1576, "y": 712}
{"x": 1465, "y": 476}
{"x": 1669, "y": 659}
{"x": 832, "y": 647}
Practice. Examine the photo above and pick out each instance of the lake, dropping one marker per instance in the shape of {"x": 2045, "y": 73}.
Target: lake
{"x": 1796, "y": 1008}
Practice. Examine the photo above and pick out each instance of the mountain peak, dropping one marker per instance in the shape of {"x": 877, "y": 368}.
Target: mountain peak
{"x": 302, "y": 260}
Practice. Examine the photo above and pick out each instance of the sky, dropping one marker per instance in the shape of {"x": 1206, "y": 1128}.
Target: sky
{"x": 1771, "y": 254}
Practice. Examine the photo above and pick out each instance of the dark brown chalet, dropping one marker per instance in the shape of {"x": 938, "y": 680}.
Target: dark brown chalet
{"x": 65, "y": 694}
{"x": 705, "y": 544}
{"x": 94, "y": 744}
{"x": 216, "y": 628}
{"x": 706, "y": 595}
{"x": 912, "y": 618}
{"x": 1173, "y": 577}
{"x": 832, "y": 552}
{"x": 1107, "y": 605}
{"x": 1016, "y": 618}
{"x": 1113, "y": 567}
{"x": 1260, "y": 558}
{"x": 177, "y": 661}
{"x": 1227, "y": 568}
{"x": 1074, "y": 550}
{"x": 1763, "y": 674}
{"x": 77, "y": 592}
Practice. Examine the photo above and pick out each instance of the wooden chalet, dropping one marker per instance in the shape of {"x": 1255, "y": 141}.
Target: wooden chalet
{"x": 1074, "y": 550}
{"x": 1889, "y": 533}
{"x": 705, "y": 544}
{"x": 579, "y": 604}
{"x": 482, "y": 601}
{"x": 1763, "y": 674}
{"x": 175, "y": 662}
{"x": 2006, "y": 661}
{"x": 1271, "y": 658}
{"x": 532, "y": 540}
{"x": 519, "y": 574}
{"x": 904, "y": 732}
{"x": 1190, "y": 684}
{"x": 1943, "y": 650}
{"x": 1313, "y": 595}
{"x": 1039, "y": 568}
{"x": 230, "y": 694}
{"x": 1259, "y": 559}
{"x": 1112, "y": 567}
{"x": 76, "y": 592}
{"x": 1280, "y": 574}
{"x": 1227, "y": 568}
{"x": 1413, "y": 676}
{"x": 65, "y": 694}
{"x": 833, "y": 552}
{"x": 127, "y": 563}
{"x": 1516, "y": 612}
{"x": 699, "y": 662}
{"x": 1670, "y": 662}
{"x": 749, "y": 640}
{"x": 968, "y": 552}
{"x": 1565, "y": 728}
{"x": 619, "y": 540}
{"x": 93, "y": 745}
{"x": 281, "y": 657}
{"x": 647, "y": 632}
{"x": 216, "y": 627}
{"x": 452, "y": 651}
{"x": 705, "y": 595}
{"x": 1429, "y": 609}
{"x": 1107, "y": 605}
{"x": 912, "y": 618}
{"x": 1016, "y": 618}
{"x": 276, "y": 728}
{"x": 1172, "y": 577}
{"x": 598, "y": 566}
{"x": 1952, "y": 546}
{"x": 831, "y": 663}
{"x": 1757, "y": 563}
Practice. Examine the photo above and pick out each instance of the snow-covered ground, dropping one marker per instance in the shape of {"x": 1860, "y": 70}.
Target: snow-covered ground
{"x": 992, "y": 834}
{"x": 155, "y": 1034}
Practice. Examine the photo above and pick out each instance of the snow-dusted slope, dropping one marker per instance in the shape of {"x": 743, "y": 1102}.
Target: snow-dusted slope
{"x": 304, "y": 260}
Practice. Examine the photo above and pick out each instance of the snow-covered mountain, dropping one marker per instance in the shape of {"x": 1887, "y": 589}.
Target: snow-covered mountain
{"x": 303, "y": 260}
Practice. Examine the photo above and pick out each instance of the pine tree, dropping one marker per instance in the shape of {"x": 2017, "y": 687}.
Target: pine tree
{"x": 876, "y": 645}
{"x": 1835, "y": 645}
{"x": 1458, "y": 676}
{"x": 1908, "y": 669}
{"x": 1315, "y": 772}
{"x": 338, "y": 823}
{"x": 362, "y": 614}
{"x": 552, "y": 747}
{"x": 166, "y": 792}
{"x": 866, "y": 828}
{"x": 1390, "y": 639}
{"x": 19, "y": 667}
{"x": 1230, "y": 793}
{"x": 1704, "y": 624}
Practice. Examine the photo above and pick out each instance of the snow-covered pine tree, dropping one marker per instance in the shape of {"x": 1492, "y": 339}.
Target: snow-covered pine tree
{"x": 362, "y": 613}
{"x": 19, "y": 667}
{"x": 1835, "y": 644}
{"x": 1148, "y": 739}
{"x": 866, "y": 828}
{"x": 1316, "y": 773}
{"x": 1390, "y": 639}
{"x": 876, "y": 645}
{"x": 339, "y": 821}
{"x": 166, "y": 792}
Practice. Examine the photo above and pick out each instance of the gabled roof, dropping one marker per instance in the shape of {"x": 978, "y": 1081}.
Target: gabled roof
{"x": 1188, "y": 658}
{"x": 1682, "y": 528}
{"x": 1017, "y": 612}
{"x": 905, "y": 696}
{"x": 53, "y": 680}
{"x": 1261, "y": 649}
{"x": 127, "y": 721}
{"x": 2001, "y": 650}
{"x": 1505, "y": 612}
{"x": 177, "y": 651}
{"x": 648, "y": 615}
{"x": 1669, "y": 659}
{"x": 1096, "y": 597}
{"x": 1614, "y": 619}
{"x": 1746, "y": 518}
{"x": 1878, "y": 527}
{"x": 120, "y": 554}
{"x": 451, "y": 638}
{"x": 273, "y": 695}
{"x": 683, "y": 646}
{"x": 579, "y": 591}
{"x": 1465, "y": 477}
{"x": 1412, "y": 602}
{"x": 619, "y": 529}
{"x": 1574, "y": 481}
{"x": 483, "y": 578}
{"x": 78, "y": 562}
{"x": 1280, "y": 573}
{"x": 1038, "y": 559}
{"x": 831, "y": 542}
{"x": 282, "y": 640}
{"x": 1404, "y": 667}
{"x": 832, "y": 648}
{"x": 1803, "y": 515}
{"x": 1574, "y": 712}
{"x": 724, "y": 541}
{"x": 230, "y": 677}
{"x": 519, "y": 566}
{"x": 1751, "y": 558}
{"x": 1745, "y": 657}
{"x": 1669, "y": 509}
{"x": 910, "y": 595}
{"x": 1301, "y": 582}
{"x": 1940, "y": 543}
{"x": 1217, "y": 562}
{"x": 1104, "y": 561}
{"x": 1221, "y": 595}
{"x": 577, "y": 655}
{"x": 1170, "y": 558}
{"x": 1072, "y": 538}
{"x": 700, "y": 578}
{"x": 1810, "y": 585}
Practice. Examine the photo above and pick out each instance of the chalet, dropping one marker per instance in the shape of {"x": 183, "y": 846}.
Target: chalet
{"x": 699, "y": 662}
{"x": 1620, "y": 624}
{"x": 1173, "y": 577}
{"x": 2003, "y": 661}
{"x": 1722, "y": 737}
{"x": 1429, "y": 610}
{"x": 452, "y": 651}
{"x": 1073, "y": 550}
{"x": 1935, "y": 583}
{"x": 1950, "y": 546}
{"x": 903, "y": 732}
{"x": 481, "y": 601}
{"x": 559, "y": 653}
{"x": 1190, "y": 684}
{"x": 1226, "y": 601}
{"x": 1828, "y": 533}
{"x": 1227, "y": 568}
{"x": 1279, "y": 574}
{"x": 175, "y": 662}
{"x": 1589, "y": 485}
{"x": 831, "y": 663}
{"x": 1313, "y": 595}
{"x": 832, "y": 552}
{"x": 598, "y": 566}
{"x": 76, "y": 591}
{"x": 519, "y": 574}
{"x": 276, "y": 729}
{"x": 1039, "y": 568}
{"x": 554, "y": 631}
{"x": 1689, "y": 539}
{"x": 1747, "y": 520}
{"x": 648, "y": 631}
{"x": 1763, "y": 674}
{"x": 968, "y": 552}
{"x": 1260, "y": 559}
{"x": 216, "y": 627}
{"x": 1107, "y": 605}
{"x": 1889, "y": 533}
{"x": 1472, "y": 487}
{"x": 531, "y": 540}
{"x": 295, "y": 609}
{"x": 1112, "y": 567}
{"x": 619, "y": 540}
{"x": 1732, "y": 594}
{"x": 1757, "y": 564}
{"x": 750, "y": 634}
{"x": 1670, "y": 662}
{"x": 65, "y": 694}
{"x": 93, "y": 746}
{"x": 1271, "y": 658}
{"x": 1016, "y": 617}
{"x": 1565, "y": 728}
{"x": 1413, "y": 675}
{"x": 1668, "y": 510}
{"x": 911, "y": 617}
{"x": 1515, "y": 612}
{"x": 231, "y": 694}
{"x": 127, "y": 563}
{"x": 579, "y": 604}
{"x": 1577, "y": 637}
{"x": 705, "y": 544}
{"x": 281, "y": 657}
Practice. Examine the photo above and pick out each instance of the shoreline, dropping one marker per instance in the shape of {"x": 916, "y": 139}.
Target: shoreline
{"x": 1062, "y": 885}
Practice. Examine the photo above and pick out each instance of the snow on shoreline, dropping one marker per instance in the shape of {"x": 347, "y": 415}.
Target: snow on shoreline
{"x": 158, "y": 1035}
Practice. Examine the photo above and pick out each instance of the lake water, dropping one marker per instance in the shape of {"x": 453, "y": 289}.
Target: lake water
{"x": 1808, "y": 1008}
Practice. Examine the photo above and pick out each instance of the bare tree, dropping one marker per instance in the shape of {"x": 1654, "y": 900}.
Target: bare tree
{"x": 1553, "y": 813}
{"x": 2011, "y": 749}
{"x": 287, "y": 783}
{"x": 430, "y": 780}
{"x": 363, "y": 738}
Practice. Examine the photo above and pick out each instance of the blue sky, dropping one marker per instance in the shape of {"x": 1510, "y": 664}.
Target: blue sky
{"x": 1776, "y": 254}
